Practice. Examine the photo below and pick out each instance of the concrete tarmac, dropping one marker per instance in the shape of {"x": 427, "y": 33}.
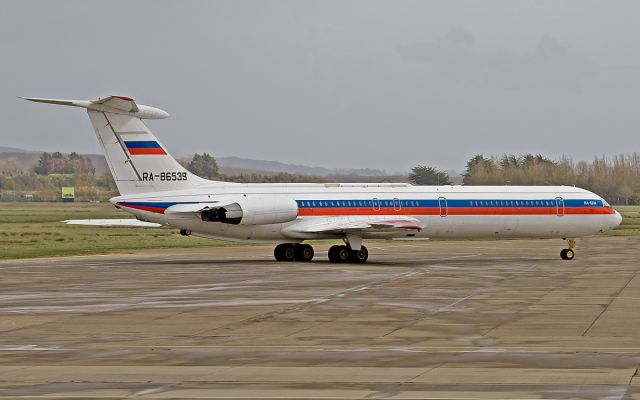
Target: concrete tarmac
{"x": 449, "y": 320}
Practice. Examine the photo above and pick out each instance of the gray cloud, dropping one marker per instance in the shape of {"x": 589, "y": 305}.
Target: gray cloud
{"x": 547, "y": 65}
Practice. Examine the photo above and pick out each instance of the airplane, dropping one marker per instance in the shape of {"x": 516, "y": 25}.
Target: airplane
{"x": 158, "y": 191}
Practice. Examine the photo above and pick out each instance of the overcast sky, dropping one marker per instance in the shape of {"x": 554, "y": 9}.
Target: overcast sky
{"x": 381, "y": 84}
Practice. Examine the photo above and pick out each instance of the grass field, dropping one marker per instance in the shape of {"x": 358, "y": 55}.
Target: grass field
{"x": 630, "y": 221}
{"x": 35, "y": 230}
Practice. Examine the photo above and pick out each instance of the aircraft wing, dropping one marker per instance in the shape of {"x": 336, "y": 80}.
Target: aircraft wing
{"x": 343, "y": 225}
{"x": 128, "y": 222}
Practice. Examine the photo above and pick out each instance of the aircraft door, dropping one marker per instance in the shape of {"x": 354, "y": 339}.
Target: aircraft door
{"x": 560, "y": 206}
{"x": 444, "y": 209}
{"x": 396, "y": 204}
{"x": 376, "y": 205}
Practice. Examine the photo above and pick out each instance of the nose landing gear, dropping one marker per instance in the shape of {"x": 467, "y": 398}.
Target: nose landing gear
{"x": 568, "y": 254}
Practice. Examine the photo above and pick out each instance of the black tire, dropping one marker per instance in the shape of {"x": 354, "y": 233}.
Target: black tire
{"x": 303, "y": 252}
{"x": 343, "y": 254}
{"x": 284, "y": 252}
{"x": 333, "y": 254}
{"x": 359, "y": 256}
{"x": 567, "y": 254}
{"x": 277, "y": 253}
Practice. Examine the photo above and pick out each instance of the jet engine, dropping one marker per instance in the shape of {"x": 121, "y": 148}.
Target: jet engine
{"x": 254, "y": 211}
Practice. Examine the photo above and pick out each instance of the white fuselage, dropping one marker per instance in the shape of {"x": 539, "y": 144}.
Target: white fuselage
{"x": 445, "y": 211}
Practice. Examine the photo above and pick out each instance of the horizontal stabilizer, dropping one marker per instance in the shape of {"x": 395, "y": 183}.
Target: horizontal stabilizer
{"x": 128, "y": 222}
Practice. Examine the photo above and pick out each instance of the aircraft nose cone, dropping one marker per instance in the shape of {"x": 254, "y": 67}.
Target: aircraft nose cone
{"x": 617, "y": 219}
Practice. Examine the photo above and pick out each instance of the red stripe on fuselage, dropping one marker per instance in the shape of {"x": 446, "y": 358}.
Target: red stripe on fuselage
{"x": 157, "y": 210}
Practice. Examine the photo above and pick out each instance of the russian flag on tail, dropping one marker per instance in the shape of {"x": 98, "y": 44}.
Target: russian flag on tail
{"x": 139, "y": 147}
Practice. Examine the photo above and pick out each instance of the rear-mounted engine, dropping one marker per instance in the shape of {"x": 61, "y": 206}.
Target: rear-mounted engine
{"x": 248, "y": 211}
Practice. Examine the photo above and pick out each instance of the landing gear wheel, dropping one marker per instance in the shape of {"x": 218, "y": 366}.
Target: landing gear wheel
{"x": 359, "y": 256}
{"x": 567, "y": 254}
{"x": 339, "y": 254}
{"x": 333, "y": 257}
{"x": 303, "y": 252}
{"x": 284, "y": 252}
{"x": 343, "y": 254}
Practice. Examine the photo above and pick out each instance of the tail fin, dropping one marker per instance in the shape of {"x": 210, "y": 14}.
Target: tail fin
{"x": 137, "y": 160}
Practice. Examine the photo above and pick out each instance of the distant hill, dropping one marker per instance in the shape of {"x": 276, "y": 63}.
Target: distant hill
{"x": 4, "y": 149}
{"x": 237, "y": 163}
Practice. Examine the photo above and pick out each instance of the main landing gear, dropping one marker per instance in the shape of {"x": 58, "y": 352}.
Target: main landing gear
{"x": 343, "y": 254}
{"x": 568, "y": 254}
{"x": 304, "y": 252}
{"x": 293, "y": 252}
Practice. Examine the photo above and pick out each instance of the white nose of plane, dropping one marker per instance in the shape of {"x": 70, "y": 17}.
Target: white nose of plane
{"x": 617, "y": 219}
{"x": 612, "y": 221}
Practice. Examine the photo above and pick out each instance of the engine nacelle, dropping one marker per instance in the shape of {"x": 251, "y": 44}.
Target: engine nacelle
{"x": 255, "y": 211}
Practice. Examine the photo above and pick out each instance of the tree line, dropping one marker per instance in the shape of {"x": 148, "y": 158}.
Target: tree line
{"x": 616, "y": 178}
{"x": 58, "y": 163}
{"x": 51, "y": 172}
